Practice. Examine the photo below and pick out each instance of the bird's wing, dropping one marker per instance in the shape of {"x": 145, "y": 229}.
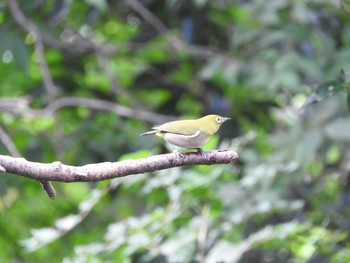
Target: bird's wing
{"x": 193, "y": 135}
{"x": 177, "y": 128}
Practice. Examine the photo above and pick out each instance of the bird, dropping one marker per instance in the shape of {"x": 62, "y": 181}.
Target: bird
{"x": 190, "y": 134}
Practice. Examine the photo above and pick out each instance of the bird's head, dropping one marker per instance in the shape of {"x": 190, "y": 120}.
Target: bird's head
{"x": 211, "y": 123}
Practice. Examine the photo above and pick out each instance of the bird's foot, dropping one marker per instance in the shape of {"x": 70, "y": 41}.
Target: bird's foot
{"x": 201, "y": 152}
{"x": 179, "y": 155}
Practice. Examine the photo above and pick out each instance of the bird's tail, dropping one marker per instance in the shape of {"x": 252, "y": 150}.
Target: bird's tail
{"x": 148, "y": 133}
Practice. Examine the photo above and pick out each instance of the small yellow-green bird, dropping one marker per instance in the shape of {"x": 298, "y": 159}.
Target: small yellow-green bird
{"x": 191, "y": 134}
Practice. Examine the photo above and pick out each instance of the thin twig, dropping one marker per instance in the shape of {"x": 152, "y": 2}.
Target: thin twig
{"x": 20, "y": 106}
{"x": 148, "y": 16}
{"x": 59, "y": 172}
{"x": 47, "y": 186}
{"x": 49, "y": 85}
{"x": 177, "y": 43}
{"x": 31, "y": 28}
{"x": 8, "y": 143}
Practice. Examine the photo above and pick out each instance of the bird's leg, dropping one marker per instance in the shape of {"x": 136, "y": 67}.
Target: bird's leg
{"x": 202, "y": 153}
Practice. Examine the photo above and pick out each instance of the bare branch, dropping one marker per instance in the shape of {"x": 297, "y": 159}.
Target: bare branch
{"x": 21, "y": 106}
{"x": 102, "y": 171}
{"x": 8, "y": 143}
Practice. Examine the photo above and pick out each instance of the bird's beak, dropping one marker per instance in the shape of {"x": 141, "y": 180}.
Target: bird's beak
{"x": 225, "y": 119}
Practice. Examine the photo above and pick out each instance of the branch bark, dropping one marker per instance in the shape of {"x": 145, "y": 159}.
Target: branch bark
{"x": 59, "y": 172}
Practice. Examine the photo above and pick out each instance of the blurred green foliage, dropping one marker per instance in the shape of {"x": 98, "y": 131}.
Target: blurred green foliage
{"x": 280, "y": 69}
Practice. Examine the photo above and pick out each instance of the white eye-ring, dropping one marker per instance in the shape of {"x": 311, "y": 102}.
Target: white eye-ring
{"x": 218, "y": 119}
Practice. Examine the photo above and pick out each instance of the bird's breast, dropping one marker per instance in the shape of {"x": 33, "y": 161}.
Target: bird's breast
{"x": 195, "y": 140}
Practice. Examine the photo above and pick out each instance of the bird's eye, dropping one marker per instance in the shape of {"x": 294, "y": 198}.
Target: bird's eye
{"x": 218, "y": 119}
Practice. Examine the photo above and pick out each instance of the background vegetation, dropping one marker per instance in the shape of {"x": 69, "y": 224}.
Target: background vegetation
{"x": 80, "y": 80}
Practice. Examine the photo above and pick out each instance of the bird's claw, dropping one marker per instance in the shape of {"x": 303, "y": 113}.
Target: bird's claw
{"x": 201, "y": 152}
{"x": 179, "y": 155}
